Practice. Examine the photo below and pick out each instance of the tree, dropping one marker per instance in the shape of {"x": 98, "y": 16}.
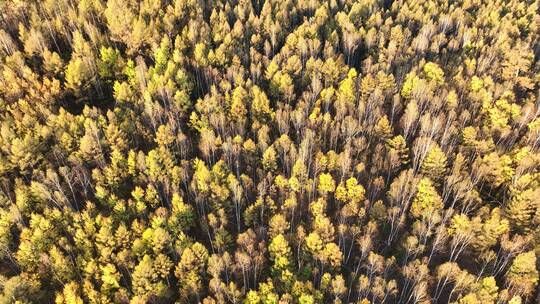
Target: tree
{"x": 346, "y": 93}
{"x": 261, "y": 105}
{"x": 326, "y": 183}
{"x": 20, "y": 289}
{"x": 461, "y": 230}
{"x": 521, "y": 208}
{"x": 522, "y": 277}
{"x": 484, "y": 291}
{"x": 69, "y": 295}
{"x": 383, "y": 129}
{"x": 269, "y": 160}
{"x": 399, "y": 152}
{"x": 491, "y": 230}
{"x": 182, "y": 216}
{"x": 278, "y": 224}
{"x": 410, "y": 84}
{"x": 238, "y": 104}
{"x": 434, "y": 72}
{"x": 434, "y": 164}
{"x": 145, "y": 280}
{"x": 332, "y": 255}
{"x": 350, "y": 191}
{"x": 281, "y": 85}
{"x": 189, "y": 269}
{"x": 110, "y": 278}
{"x": 427, "y": 203}
{"x": 280, "y": 255}
{"x": 80, "y": 71}
{"x": 495, "y": 169}
{"x": 110, "y": 62}
{"x": 119, "y": 18}
{"x": 252, "y": 298}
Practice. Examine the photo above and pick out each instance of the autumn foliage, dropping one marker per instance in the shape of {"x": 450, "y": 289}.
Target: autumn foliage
{"x": 265, "y": 152}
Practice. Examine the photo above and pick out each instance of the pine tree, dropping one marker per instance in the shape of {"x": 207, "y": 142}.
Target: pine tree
{"x": 434, "y": 164}
{"x": 522, "y": 206}
{"x": 399, "y": 152}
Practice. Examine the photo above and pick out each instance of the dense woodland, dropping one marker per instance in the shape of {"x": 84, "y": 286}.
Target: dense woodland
{"x": 265, "y": 152}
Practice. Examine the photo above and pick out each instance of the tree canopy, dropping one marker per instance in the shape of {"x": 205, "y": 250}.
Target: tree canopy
{"x": 269, "y": 151}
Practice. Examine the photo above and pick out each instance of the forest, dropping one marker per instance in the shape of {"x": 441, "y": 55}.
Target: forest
{"x": 269, "y": 151}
